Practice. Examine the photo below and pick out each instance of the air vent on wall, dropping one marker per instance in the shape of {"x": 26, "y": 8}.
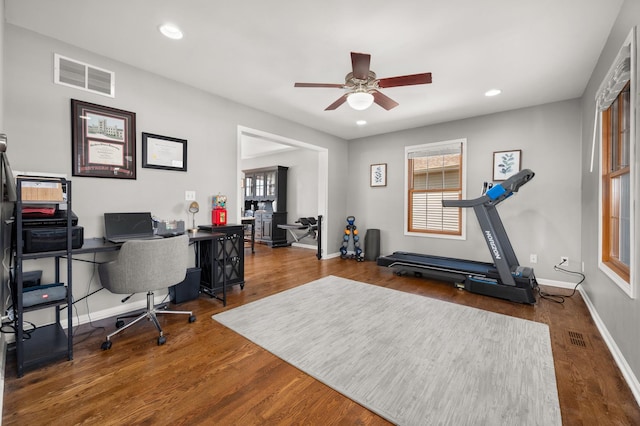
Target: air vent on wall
{"x": 72, "y": 73}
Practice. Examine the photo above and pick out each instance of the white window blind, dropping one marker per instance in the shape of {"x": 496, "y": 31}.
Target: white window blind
{"x": 616, "y": 79}
{"x": 434, "y": 174}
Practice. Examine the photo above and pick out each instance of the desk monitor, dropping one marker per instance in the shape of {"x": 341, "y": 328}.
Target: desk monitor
{"x": 120, "y": 227}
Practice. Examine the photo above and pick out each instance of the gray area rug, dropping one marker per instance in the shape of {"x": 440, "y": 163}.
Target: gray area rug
{"x": 411, "y": 359}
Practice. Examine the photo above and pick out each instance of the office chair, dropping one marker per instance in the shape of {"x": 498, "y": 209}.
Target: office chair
{"x": 146, "y": 266}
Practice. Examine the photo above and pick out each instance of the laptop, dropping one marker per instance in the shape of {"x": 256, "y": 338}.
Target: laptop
{"x": 121, "y": 227}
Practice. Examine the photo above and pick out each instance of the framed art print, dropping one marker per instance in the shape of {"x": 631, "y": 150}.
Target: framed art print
{"x": 506, "y": 164}
{"x": 378, "y": 174}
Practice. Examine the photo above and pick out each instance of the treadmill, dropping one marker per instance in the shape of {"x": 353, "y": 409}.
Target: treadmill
{"x": 504, "y": 278}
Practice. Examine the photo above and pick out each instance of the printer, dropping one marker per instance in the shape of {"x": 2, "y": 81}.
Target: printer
{"x": 45, "y": 229}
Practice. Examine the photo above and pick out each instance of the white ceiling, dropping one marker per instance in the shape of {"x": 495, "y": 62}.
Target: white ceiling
{"x": 253, "y": 51}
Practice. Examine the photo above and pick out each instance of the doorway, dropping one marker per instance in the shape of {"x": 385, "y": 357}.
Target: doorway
{"x": 254, "y": 144}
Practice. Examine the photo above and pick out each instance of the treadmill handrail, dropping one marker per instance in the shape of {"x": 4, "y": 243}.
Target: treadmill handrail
{"x": 497, "y": 193}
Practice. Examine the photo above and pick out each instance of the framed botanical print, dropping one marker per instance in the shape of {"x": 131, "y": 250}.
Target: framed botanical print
{"x": 506, "y": 164}
{"x": 378, "y": 174}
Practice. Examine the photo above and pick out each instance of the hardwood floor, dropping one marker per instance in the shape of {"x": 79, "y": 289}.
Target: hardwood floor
{"x": 207, "y": 374}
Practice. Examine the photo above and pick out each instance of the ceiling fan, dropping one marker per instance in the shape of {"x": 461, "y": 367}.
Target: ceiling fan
{"x": 362, "y": 85}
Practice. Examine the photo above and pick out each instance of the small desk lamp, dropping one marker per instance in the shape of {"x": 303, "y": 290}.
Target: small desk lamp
{"x": 194, "y": 208}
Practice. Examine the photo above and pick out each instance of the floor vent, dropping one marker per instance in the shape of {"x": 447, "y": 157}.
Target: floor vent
{"x": 72, "y": 73}
{"x": 577, "y": 339}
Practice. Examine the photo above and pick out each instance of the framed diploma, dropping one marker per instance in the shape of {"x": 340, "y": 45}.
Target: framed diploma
{"x": 103, "y": 141}
{"x": 163, "y": 152}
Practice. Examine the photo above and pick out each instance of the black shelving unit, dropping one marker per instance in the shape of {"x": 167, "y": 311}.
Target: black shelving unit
{"x": 265, "y": 193}
{"x": 46, "y": 343}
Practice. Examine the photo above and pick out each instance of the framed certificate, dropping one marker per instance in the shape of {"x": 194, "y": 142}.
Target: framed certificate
{"x": 104, "y": 141}
{"x": 163, "y": 152}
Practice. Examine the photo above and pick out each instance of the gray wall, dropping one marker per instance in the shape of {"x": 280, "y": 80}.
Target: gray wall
{"x": 619, "y": 313}
{"x": 39, "y": 124}
{"x": 543, "y": 218}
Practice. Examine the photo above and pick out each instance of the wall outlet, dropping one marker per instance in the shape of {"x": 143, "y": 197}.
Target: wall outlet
{"x": 533, "y": 258}
{"x": 190, "y": 195}
{"x": 564, "y": 260}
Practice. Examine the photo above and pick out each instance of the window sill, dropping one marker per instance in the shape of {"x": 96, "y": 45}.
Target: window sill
{"x": 626, "y": 287}
{"x": 441, "y": 236}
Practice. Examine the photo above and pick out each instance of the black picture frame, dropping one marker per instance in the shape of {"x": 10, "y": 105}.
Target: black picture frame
{"x": 103, "y": 141}
{"x": 164, "y": 152}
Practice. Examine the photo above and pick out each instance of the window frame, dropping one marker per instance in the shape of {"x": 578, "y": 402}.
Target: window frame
{"x": 625, "y": 280}
{"x": 463, "y": 179}
{"x": 608, "y": 192}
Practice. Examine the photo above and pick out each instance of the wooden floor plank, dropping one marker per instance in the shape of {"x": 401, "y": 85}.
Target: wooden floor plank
{"x": 207, "y": 374}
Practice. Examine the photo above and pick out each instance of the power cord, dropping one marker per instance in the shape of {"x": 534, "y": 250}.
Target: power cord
{"x": 93, "y": 328}
{"x": 560, "y": 298}
{"x": 10, "y": 328}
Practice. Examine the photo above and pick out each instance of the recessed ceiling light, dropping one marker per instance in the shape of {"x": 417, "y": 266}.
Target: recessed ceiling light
{"x": 493, "y": 92}
{"x": 171, "y": 31}
{"x": 361, "y": 122}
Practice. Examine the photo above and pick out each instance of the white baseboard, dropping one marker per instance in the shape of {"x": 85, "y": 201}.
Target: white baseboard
{"x": 109, "y": 312}
{"x": 305, "y": 246}
{"x": 93, "y": 316}
{"x": 554, "y": 283}
{"x": 332, "y": 255}
{"x": 619, "y": 358}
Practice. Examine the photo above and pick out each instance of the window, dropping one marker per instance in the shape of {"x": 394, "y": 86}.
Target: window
{"x": 615, "y": 101}
{"x": 435, "y": 172}
{"x": 616, "y": 190}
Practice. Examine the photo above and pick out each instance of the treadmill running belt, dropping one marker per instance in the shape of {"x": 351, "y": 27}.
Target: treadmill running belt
{"x": 443, "y": 263}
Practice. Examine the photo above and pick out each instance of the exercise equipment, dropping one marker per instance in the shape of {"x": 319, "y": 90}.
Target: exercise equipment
{"x": 372, "y": 244}
{"x": 307, "y": 224}
{"x": 310, "y": 226}
{"x": 351, "y": 233}
{"x": 504, "y": 278}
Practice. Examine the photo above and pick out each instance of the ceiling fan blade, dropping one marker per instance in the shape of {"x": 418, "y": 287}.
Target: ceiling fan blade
{"x": 405, "y": 80}
{"x": 383, "y": 100}
{"x": 337, "y": 86}
{"x": 360, "y": 63}
{"x": 342, "y": 99}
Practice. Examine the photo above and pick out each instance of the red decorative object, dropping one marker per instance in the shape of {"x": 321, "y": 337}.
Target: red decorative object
{"x": 219, "y": 216}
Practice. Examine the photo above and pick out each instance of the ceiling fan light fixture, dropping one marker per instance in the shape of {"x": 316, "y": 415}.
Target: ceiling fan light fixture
{"x": 171, "y": 31}
{"x": 360, "y": 100}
